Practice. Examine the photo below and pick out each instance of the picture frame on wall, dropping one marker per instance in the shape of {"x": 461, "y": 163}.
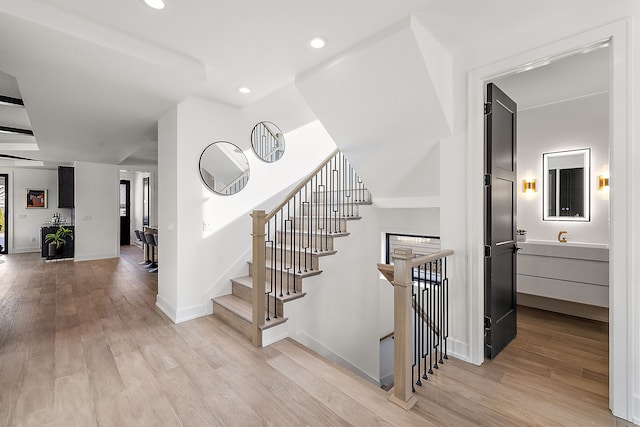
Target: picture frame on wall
{"x": 36, "y": 199}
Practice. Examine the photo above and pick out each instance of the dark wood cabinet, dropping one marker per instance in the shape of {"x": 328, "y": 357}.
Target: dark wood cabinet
{"x": 66, "y": 187}
{"x": 66, "y": 251}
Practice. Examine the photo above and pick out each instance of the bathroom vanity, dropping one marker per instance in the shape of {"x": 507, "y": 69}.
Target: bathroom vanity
{"x": 572, "y": 278}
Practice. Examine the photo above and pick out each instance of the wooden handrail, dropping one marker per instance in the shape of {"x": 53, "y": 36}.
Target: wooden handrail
{"x": 387, "y": 270}
{"x": 430, "y": 258}
{"x": 301, "y": 185}
{"x": 389, "y": 335}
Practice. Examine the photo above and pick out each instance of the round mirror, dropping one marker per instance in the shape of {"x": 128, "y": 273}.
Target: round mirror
{"x": 224, "y": 168}
{"x": 267, "y": 141}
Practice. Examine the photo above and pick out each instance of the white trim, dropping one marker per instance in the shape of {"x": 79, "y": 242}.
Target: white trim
{"x": 622, "y": 333}
{"x": 95, "y": 257}
{"x": 274, "y": 334}
{"x": 190, "y": 313}
{"x": 457, "y": 349}
{"x": 166, "y": 308}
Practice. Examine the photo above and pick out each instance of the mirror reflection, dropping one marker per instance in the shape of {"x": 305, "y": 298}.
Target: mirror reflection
{"x": 566, "y": 185}
{"x": 267, "y": 141}
{"x": 224, "y": 168}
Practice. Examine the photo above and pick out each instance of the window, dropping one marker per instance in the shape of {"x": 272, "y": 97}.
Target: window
{"x": 420, "y": 245}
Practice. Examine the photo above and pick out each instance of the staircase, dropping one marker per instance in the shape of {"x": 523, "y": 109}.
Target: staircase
{"x": 290, "y": 242}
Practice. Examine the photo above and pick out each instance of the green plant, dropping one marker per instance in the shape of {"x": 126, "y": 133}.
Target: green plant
{"x": 59, "y": 237}
{"x": 521, "y": 232}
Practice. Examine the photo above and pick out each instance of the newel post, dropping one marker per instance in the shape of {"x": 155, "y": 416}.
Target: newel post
{"x": 258, "y": 275}
{"x": 403, "y": 329}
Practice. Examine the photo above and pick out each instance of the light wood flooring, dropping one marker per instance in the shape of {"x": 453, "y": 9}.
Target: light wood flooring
{"x": 83, "y": 344}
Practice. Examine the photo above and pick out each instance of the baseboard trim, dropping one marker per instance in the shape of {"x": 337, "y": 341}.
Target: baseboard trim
{"x": 166, "y": 308}
{"x": 274, "y": 334}
{"x": 636, "y": 409}
{"x": 24, "y": 250}
{"x": 95, "y": 257}
{"x": 190, "y": 313}
{"x": 458, "y": 349}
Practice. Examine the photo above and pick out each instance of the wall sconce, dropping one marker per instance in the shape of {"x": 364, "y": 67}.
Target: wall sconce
{"x": 529, "y": 185}
{"x": 603, "y": 182}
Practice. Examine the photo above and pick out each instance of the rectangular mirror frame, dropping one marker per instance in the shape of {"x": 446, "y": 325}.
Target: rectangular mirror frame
{"x": 586, "y": 153}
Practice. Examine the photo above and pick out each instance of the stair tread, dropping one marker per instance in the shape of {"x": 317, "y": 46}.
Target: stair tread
{"x": 330, "y": 218}
{"x": 247, "y": 281}
{"x": 318, "y": 233}
{"x": 244, "y": 310}
{"x": 300, "y": 249}
{"x": 302, "y": 274}
{"x": 342, "y": 203}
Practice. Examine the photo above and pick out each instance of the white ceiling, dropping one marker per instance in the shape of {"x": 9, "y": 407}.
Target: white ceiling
{"x": 578, "y": 74}
{"x": 96, "y": 76}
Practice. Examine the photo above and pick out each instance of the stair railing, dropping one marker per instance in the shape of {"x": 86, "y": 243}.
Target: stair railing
{"x": 421, "y": 318}
{"x": 236, "y": 185}
{"x": 286, "y": 239}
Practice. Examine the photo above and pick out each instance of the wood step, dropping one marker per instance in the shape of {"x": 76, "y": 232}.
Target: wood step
{"x": 285, "y": 277}
{"x": 307, "y": 259}
{"x": 238, "y": 314}
{"x": 320, "y": 242}
{"x": 360, "y": 196}
{"x": 340, "y": 207}
{"x": 329, "y": 224}
{"x": 242, "y": 288}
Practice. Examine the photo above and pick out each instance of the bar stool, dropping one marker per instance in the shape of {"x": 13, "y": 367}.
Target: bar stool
{"x": 140, "y": 236}
{"x": 155, "y": 239}
{"x": 148, "y": 238}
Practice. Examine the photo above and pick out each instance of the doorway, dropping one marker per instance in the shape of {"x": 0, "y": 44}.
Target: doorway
{"x": 4, "y": 223}
{"x": 621, "y": 271}
{"x": 125, "y": 212}
{"x": 561, "y": 122}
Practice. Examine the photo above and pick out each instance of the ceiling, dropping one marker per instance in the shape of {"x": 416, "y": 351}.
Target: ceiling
{"x": 96, "y": 76}
{"x": 551, "y": 80}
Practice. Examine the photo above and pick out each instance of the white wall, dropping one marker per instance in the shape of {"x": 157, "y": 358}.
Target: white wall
{"x": 460, "y": 214}
{"x": 569, "y": 125}
{"x": 200, "y": 262}
{"x": 97, "y": 229}
{"x": 167, "y": 298}
{"x": 24, "y": 224}
{"x": 348, "y": 307}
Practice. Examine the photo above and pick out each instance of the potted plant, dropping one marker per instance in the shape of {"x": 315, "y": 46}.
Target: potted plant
{"x": 57, "y": 240}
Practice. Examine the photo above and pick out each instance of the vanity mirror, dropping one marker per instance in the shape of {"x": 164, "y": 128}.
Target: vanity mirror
{"x": 267, "y": 141}
{"x": 224, "y": 168}
{"x": 566, "y": 177}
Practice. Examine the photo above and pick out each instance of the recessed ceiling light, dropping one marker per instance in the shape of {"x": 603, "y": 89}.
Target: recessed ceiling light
{"x": 317, "y": 42}
{"x": 244, "y": 89}
{"x": 156, "y": 4}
